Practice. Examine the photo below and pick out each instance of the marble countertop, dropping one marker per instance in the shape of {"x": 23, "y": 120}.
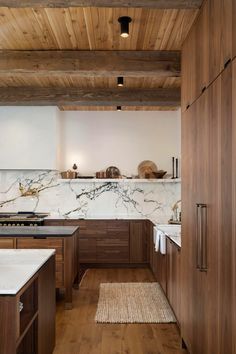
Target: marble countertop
{"x": 17, "y": 267}
{"x": 173, "y": 232}
{"x": 176, "y": 240}
{"x": 34, "y": 231}
{"x": 98, "y": 217}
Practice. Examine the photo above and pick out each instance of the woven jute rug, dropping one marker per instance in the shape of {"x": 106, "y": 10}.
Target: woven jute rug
{"x": 133, "y": 303}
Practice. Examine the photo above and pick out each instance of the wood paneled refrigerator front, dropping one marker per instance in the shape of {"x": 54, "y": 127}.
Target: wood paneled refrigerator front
{"x": 207, "y": 303}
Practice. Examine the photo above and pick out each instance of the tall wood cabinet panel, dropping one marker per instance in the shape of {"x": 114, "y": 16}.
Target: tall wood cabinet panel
{"x": 195, "y": 59}
{"x": 138, "y": 243}
{"x": 208, "y": 47}
{"x": 206, "y": 262}
{"x": 220, "y": 33}
{"x": 188, "y": 70}
{"x": 173, "y": 277}
{"x": 233, "y": 251}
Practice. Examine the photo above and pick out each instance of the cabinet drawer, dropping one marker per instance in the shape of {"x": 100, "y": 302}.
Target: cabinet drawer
{"x": 59, "y": 274}
{"x": 53, "y": 222}
{"x": 7, "y": 243}
{"x": 118, "y": 225}
{"x": 112, "y": 255}
{"x": 119, "y": 241}
{"x": 87, "y": 249}
{"x": 54, "y": 243}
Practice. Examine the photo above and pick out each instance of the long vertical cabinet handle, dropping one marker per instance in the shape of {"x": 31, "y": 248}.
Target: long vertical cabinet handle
{"x": 198, "y": 237}
{"x": 201, "y": 237}
{"x": 204, "y": 238}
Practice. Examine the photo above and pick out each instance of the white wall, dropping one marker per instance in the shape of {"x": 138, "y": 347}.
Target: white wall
{"x": 29, "y": 138}
{"x": 96, "y": 140}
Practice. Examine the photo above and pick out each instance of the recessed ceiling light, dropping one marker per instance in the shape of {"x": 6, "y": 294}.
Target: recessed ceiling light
{"x": 124, "y": 26}
{"x": 120, "y": 81}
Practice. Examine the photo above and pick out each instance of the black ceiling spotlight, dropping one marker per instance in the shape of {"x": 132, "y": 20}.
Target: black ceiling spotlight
{"x": 124, "y": 26}
{"x": 120, "y": 81}
{"x": 118, "y": 108}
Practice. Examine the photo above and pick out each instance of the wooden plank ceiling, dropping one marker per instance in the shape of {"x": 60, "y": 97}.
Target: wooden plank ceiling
{"x": 92, "y": 28}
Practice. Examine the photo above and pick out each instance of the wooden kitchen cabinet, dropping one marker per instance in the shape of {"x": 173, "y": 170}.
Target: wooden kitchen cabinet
{"x": 220, "y": 36}
{"x": 207, "y": 49}
{"x": 232, "y": 279}
{"x": 161, "y": 270}
{"x": 111, "y": 241}
{"x": 158, "y": 264}
{"x": 31, "y": 330}
{"x": 188, "y": 69}
{"x": 174, "y": 277}
{"x": 138, "y": 242}
{"x": 7, "y": 243}
{"x": 67, "y": 264}
{"x": 234, "y": 28}
{"x": 206, "y": 254}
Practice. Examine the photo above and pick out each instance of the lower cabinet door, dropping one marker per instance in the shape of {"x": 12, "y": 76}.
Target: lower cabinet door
{"x": 6, "y": 243}
{"x": 138, "y": 242}
{"x": 173, "y": 277}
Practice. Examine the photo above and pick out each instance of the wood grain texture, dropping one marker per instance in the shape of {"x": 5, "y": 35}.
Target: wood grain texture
{"x": 174, "y": 277}
{"x": 47, "y": 307}
{"x": 24, "y": 96}
{"x": 156, "y": 4}
{"x": 138, "y": 243}
{"x": 90, "y": 63}
{"x": 233, "y": 251}
{"x": 234, "y": 29}
{"x": 114, "y": 108}
{"x": 207, "y": 48}
{"x": 77, "y": 331}
{"x": 93, "y": 29}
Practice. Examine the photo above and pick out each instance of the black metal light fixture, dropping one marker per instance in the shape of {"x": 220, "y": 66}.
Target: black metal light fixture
{"x": 124, "y": 26}
{"x": 118, "y": 108}
{"x": 120, "y": 81}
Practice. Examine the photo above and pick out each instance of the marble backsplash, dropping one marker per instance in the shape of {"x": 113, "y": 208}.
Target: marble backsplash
{"x": 87, "y": 199}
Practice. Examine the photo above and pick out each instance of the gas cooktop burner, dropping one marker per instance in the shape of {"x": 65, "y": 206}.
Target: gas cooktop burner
{"x": 22, "y": 218}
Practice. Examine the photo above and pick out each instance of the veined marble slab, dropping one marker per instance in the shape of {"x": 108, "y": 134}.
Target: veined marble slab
{"x": 17, "y": 267}
{"x": 89, "y": 198}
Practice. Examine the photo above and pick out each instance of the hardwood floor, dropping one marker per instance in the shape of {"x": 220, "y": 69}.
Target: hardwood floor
{"x": 77, "y": 333}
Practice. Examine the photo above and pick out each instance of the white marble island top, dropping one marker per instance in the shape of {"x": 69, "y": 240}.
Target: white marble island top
{"x": 17, "y": 267}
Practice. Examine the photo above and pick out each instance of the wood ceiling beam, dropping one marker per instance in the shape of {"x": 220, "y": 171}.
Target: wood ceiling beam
{"x": 90, "y": 63}
{"x": 155, "y": 4}
{"x": 28, "y": 96}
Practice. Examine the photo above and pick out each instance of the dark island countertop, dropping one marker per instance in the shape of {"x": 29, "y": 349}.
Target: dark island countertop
{"x": 38, "y": 231}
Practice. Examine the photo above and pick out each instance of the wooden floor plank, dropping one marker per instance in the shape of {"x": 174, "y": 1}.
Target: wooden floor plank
{"x": 78, "y": 333}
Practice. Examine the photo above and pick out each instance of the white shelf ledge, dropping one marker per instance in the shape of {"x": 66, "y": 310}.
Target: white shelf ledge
{"x": 119, "y": 180}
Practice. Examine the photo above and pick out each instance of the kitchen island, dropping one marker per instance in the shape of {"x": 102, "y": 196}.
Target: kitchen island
{"x": 64, "y": 239}
{"x": 27, "y": 301}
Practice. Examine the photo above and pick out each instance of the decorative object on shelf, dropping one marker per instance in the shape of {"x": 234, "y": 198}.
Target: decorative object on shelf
{"x": 101, "y": 174}
{"x": 124, "y": 25}
{"x": 68, "y": 174}
{"x": 85, "y": 177}
{"x": 159, "y": 174}
{"x": 175, "y": 168}
{"x": 113, "y": 172}
{"x": 146, "y": 169}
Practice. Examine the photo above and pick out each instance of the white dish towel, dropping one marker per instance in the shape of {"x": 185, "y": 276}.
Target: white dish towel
{"x": 156, "y": 238}
{"x": 159, "y": 239}
{"x": 162, "y": 242}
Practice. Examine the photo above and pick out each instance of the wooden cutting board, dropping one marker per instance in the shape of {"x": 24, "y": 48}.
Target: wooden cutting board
{"x": 146, "y": 167}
